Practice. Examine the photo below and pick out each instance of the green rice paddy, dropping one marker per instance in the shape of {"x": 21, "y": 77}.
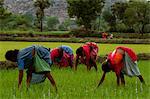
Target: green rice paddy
{"x": 79, "y": 84}
{"x": 103, "y": 48}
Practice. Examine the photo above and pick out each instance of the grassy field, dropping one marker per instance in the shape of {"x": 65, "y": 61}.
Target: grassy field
{"x": 34, "y": 32}
{"x": 103, "y": 48}
{"x": 78, "y": 84}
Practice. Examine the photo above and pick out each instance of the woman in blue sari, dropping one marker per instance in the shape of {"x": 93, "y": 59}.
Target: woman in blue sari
{"x": 36, "y": 60}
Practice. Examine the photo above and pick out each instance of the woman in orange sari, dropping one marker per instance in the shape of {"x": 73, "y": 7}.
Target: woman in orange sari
{"x": 122, "y": 61}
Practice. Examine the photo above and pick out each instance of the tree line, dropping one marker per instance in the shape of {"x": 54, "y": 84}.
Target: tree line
{"x": 28, "y": 21}
{"x": 130, "y": 16}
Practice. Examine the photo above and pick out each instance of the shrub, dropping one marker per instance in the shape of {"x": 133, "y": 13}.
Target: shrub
{"x": 85, "y": 33}
{"x": 121, "y": 27}
{"x": 62, "y": 27}
{"x": 22, "y": 22}
{"x": 52, "y": 23}
{"x": 67, "y": 25}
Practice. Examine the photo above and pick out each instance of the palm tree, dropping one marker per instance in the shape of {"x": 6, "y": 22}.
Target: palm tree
{"x": 41, "y": 5}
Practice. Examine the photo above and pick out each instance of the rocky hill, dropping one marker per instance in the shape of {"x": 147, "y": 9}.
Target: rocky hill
{"x": 58, "y": 9}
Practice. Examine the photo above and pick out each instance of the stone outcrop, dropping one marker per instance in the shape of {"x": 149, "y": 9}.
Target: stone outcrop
{"x": 58, "y": 9}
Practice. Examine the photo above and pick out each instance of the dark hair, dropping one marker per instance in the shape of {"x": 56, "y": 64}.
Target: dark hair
{"x": 11, "y": 55}
{"x": 60, "y": 52}
{"x": 106, "y": 66}
{"x": 79, "y": 51}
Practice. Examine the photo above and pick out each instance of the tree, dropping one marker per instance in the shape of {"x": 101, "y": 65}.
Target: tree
{"x": 52, "y": 22}
{"x": 68, "y": 24}
{"x": 138, "y": 14}
{"x": 110, "y": 19}
{"x": 23, "y": 22}
{"x": 4, "y": 15}
{"x": 100, "y": 24}
{"x": 129, "y": 19}
{"x": 64, "y": 26}
{"x": 41, "y": 5}
{"x": 118, "y": 10}
{"x": 132, "y": 16}
{"x": 85, "y": 11}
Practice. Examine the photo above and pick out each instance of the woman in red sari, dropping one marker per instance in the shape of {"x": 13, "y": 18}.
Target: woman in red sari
{"x": 62, "y": 56}
{"x": 87, "y": 54}
{"x": 121, "y": 61}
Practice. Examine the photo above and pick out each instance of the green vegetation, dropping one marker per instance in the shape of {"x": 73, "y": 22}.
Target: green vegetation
{"x": 34, "y": 32}
{"x": 68, "y": 24}
{"x": 41, "y": 5}
{"x": 103, "y": 48}
{"x": 132, "y": 16}
{"x": 76, "y": 85}
{"x": 4, "y": 15}
{"x": 75, "y": 33}
{"x": 80, "y": 84}
{"x": 85, "y": 11}
{"x": 52, "y": 22}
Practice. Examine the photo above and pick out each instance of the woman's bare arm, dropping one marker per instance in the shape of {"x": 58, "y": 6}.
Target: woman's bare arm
{"x": 102, "y": 79}
{"x": 20, "y": 78}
